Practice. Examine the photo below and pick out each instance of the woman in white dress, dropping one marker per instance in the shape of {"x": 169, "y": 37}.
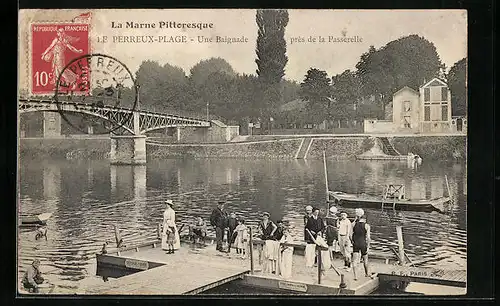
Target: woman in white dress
{"x": 286, "y": 254}
{"x": 170, "y": 236}
{"x": 242, "y": 238}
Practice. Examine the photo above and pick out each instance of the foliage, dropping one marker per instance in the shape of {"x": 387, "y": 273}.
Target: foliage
{"x": 316, "y": 90}
{"x": 408, "y": 61}
{"x": 200, "y": 72}
{"x": 346, "y": 93}
{"x": 271, "y": 59}
{"x": 271, "y": 45}
{"x": 457, "y": 82}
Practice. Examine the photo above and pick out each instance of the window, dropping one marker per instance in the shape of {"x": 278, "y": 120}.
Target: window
{"x": 406, "y": 106}
{"x": 444, "y": 94}
{"x": 444, "y": 112}
{"x": 407, "y": 121}
{"x": 427, "y": 94}
{"x": 427, "y": 113}
{"x": 436, "y": 113}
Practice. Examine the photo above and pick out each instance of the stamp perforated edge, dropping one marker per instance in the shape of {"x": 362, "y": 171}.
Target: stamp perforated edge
{"x": 29, "y": 42}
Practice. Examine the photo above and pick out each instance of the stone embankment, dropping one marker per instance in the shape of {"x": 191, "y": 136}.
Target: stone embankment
{"x": 336, "y": 147}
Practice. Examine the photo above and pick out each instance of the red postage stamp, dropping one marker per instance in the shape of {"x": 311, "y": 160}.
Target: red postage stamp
{"x": 53, "y": 46}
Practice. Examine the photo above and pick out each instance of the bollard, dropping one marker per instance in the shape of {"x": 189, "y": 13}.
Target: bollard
{"x": 251, "y": 249}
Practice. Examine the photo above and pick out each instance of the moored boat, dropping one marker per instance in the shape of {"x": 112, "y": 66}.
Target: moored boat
{"x": 35, "y": 220}
{"x": 394, "y": 197}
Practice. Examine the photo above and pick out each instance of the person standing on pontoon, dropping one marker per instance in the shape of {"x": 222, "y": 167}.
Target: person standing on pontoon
{"x": 345, "y": 229}
{"x": 315, "y": 226}
{"x": 218, "y": 219}
{"x": 360, "y": 244}
{"x": 332, "y": 232}
{"x": 170, "y": 236}
{"x": 267, "y": 229}
{"x": 307, "y": 215}
{"x": 286, "y": 253}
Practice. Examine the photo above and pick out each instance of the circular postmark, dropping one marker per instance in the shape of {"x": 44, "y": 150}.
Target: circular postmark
{"x": 97, "y": 90}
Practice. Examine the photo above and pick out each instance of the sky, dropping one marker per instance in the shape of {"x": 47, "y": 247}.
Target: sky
{"x": 447, "y": 29}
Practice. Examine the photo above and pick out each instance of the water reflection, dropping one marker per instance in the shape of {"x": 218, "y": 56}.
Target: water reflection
{"x": 88, "y": 197}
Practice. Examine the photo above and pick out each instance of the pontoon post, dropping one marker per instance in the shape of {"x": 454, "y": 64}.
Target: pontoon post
{"x": 251, "y": 249}
{"x": 326, "y": 182}
{"x": 399, "y": 232}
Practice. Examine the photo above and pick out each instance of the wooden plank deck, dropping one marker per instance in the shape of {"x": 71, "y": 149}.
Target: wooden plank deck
{"x": 454, "y": 278}
{"x": 190, "y": 271}
{"x": 184, "y": 272}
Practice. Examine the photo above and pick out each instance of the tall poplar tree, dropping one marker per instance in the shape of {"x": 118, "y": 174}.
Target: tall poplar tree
{"x": 271, "y": 57}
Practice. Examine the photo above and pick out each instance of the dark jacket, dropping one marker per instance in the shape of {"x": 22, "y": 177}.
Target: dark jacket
{"x": 218, "y": 218}
{"x": 232, "y": 223}
{"x": 278, "y": 233}
{"x": 315, "y": 226}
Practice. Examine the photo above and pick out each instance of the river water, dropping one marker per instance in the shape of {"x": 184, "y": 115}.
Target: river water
{"x": 88, "y": 197}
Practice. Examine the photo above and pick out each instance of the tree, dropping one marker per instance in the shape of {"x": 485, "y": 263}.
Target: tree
{"x": 457, "y": 78}
{"x": 271, "y": 57}
{"x": 202, "y": 70}
{"x": 271, "y": 45}
{"x": 161, "y": 87}
{"x": 315, "y": 89}
{"x": 346, "y": 93}
{"x": 407, "y": 61}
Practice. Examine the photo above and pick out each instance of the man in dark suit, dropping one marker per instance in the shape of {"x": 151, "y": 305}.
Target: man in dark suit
{"x": 218, "y": 219}
{"x": 315, "y": 225}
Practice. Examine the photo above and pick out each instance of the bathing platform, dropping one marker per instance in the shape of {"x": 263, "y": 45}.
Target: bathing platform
{"x": 147, "y": 270}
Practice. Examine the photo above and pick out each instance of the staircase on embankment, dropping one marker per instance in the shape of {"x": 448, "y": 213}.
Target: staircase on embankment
{"x": 305, "y": 145}
{"x": 388, "y": 147}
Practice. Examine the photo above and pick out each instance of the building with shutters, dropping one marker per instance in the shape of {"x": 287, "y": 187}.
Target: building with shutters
{"x": 427, "y": 110}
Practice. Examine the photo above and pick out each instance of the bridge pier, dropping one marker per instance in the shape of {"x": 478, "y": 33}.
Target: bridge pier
{"x": 128, "y": 150}
{"x": 51, "y": 124}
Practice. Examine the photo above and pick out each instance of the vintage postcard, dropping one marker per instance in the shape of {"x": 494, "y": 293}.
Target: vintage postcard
{"x": 242, "y": 151}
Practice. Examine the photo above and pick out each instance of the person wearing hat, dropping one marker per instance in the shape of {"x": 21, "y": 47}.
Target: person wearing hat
{"x": 331, "y": 231}
{"x": 218, "y": 219}
{"x": 286, "y": 258}
{"x": 170, "y": 235}
{"x": 308, "y": 214}
{"x": 267, "y": 229}
{"x": 360, "y": 243}
{"x": 315, "y": 227}
{"x": 33, "y": 277}
{"x": 345, "y": 229}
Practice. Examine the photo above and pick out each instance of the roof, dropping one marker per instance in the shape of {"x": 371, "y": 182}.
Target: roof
{"x": 406, "y": 88}
{"x": 434, "y": 82}
{"x": 293, "y": 105}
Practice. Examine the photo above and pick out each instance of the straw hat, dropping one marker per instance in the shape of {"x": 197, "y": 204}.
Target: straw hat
{"x": 333, "y": 210}
{"x": 266, "y": 214}
{"x": 170, "y": 203}
{"x": 309, "y": 208}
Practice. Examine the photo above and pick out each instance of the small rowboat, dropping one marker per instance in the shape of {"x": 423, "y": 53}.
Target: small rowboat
{"x": 35, "y": 220}
{"x": 388, "y": 200}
